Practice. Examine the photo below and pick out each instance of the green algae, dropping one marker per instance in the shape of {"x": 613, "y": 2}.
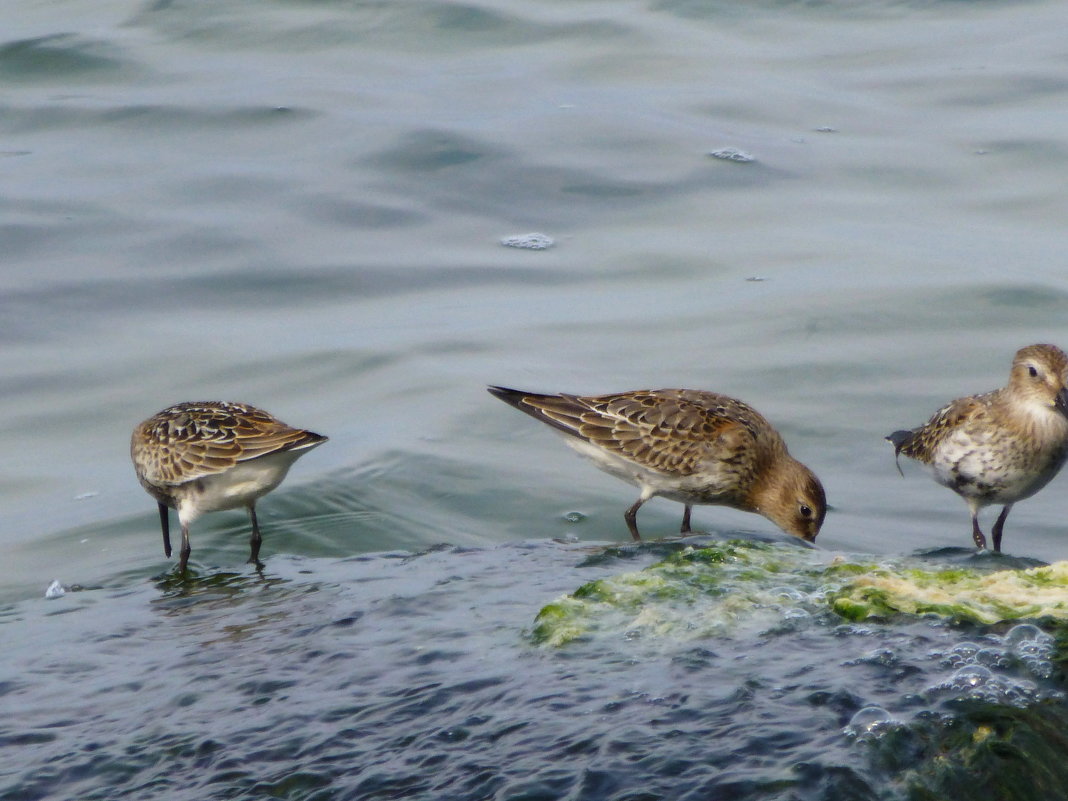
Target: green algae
{"x": 987, "y": 751}
{"x": 715, "y": 590}
{"x": 960, "y": 594}
{"x": 691, "y": 592}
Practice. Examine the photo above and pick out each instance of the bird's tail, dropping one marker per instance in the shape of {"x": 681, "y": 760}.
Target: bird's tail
{"x": 900, "y": 440}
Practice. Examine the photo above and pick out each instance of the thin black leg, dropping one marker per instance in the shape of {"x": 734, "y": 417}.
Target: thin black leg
{"x": 686, "y": 520}
{"x": 631, "y": 516}
{"x": 998, "y": 526}
{"x": 165, "y": 524}
{"x": 186, "y": 550}
{"x": 255, "y": 540}
{"x": 977, "y": 534}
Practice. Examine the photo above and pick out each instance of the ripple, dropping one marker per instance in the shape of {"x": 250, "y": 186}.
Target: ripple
{"x": 58, "y": 56}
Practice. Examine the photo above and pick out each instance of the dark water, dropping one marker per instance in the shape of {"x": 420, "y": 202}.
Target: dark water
{"x": 301, "y": 205}
{"x": 400, "y": 675}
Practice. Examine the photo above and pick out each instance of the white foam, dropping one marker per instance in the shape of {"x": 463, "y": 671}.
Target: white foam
{"x": 532, "y": 241}
{"x": 732, "y": 154}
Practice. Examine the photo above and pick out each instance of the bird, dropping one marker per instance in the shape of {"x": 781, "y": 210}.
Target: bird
{"x": 688, "y": 445}
{"x": 999, "y": 447}
{"x": 205, "y": 456}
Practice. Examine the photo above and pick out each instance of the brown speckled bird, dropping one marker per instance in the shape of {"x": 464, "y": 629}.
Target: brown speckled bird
{"x": 206, "y": 456}
{"x": 1002, "y": 446}
{"x": 691, "y": 446}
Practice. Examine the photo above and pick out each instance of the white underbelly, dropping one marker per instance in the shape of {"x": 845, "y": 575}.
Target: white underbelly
{"x": 239, "y": 486}
{"x": 972, "y": 466}
{"x": 684, "y": 489}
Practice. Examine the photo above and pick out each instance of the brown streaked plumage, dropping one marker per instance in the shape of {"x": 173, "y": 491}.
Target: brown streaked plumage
{"x": 1002, "y": 446}
{"x": 691, "y": 446}
{"x": 207, "y": 456}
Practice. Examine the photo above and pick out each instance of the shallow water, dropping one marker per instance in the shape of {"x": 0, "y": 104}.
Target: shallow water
{"x": 301, "y": 205}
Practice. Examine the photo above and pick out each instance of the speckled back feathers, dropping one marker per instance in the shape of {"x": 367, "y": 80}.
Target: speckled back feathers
{"x": 191, "y": 440}
{"x": 673, "y": 431}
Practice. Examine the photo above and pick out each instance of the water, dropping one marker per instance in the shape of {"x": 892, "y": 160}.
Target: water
{"x": 301, "y": 205}
{"x": 399, "y": 675}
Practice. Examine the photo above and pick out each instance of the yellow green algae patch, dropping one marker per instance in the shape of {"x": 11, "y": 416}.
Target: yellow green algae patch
{"x": 737, "y": 585}
{"x": 692, "y": 593}
{"x": 960, "y": 594}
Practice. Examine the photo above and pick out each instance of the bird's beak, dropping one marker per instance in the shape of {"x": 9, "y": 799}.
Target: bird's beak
{"x": 1061, "y": 402}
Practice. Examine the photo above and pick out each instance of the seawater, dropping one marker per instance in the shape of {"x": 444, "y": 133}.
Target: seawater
{"x": 301, "y": 205}
{"x": 420, "y": 675}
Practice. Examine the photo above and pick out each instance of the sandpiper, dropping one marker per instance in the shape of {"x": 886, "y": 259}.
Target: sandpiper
{"x": 691, "y": 446}
{"x": 1002, "y": 446}
{"x": 206, "y": 456}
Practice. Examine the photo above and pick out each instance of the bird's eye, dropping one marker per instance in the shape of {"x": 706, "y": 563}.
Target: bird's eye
{"x": 805, "y": 510}
{"x": 1033, "y": 371}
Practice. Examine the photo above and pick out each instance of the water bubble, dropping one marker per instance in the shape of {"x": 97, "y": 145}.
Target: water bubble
{"x": 532, "y": 241}
{"x": 881, "y": 656}
{"x": 971, "y": 676}
{"x": 55, "y": 590}
{"x": 1033, "y": 648}
{"x": 853, "y": 630}
{"x": 787, "y": 594}
{"x": 1039, "y": 668}
{"x": 870, "y": 721}
{"x": 992, "y": 657}
{"x": 732, "y": 154}
{"x": 574, "y": 517}
{"x": 1026, "y": 635}
{"x": 961, "y": 654}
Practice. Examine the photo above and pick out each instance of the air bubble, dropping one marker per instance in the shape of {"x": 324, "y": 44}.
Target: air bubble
{"x": 992, "y": 658}
{"x": 1026, "y": 635}
{"x": 871, "y": 721}
{"x": 971, "y": 676}
{"x": 961, "y": 654}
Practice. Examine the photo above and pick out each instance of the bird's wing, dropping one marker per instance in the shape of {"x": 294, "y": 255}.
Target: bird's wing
{"x": 193, "y": 441}
{"x": 672, "y": 431}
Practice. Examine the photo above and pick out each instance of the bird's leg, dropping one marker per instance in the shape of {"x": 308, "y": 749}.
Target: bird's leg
{"x": 631, "y": 516}
{"x": 186, "y": 550}
{"x": 686, "y": 520}
{"x": 998, "y": 526}
{"x": 165, "y": 524}
{"x": 977, "y": 534}
{"x": 255, "y": 540}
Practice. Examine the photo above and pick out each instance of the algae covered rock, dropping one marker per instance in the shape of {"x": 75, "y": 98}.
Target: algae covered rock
{"x": 735, "y": 585}
{"x": 959, "y": 594}
{"x": 694, "y": 592}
